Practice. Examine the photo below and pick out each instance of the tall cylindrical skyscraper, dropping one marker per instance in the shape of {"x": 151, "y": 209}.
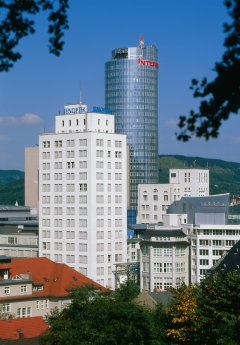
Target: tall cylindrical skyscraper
{"x": 131, "y": 91}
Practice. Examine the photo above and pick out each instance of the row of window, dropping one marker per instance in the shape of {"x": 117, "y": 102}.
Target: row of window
{"x": 23, "y": 289}
{"x": 217, "y": 243}
{"x": 83, "y": 260}
{"x": 167, "y": 267}
{"x": 81, "y": 142}
{"x": 159, "y": 252}
{"x": 82, "y": 176}
{"x": 83, "y": 211}
{"x": 82, "y": 247}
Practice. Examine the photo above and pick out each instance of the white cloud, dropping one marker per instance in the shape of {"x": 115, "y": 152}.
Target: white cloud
{"x": 26, "y": 119}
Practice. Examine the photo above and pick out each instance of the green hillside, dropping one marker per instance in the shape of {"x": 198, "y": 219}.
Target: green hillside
{"x": 11, "y": 187}
{"x": 224, "y": 176}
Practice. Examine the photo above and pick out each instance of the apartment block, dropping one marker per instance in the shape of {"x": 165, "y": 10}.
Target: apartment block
{"x": 83, "y": 193}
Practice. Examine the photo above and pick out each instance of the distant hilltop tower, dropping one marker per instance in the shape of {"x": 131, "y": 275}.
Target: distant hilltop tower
{"x": 131, "y": 91}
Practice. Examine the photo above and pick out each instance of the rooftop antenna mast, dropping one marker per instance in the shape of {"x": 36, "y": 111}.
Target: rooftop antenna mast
{"x": 80, "y": 93}
{"x": 141, "y": 42}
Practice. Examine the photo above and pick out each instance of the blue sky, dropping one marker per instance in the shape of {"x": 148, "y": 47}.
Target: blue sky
{"x": 189, "y": 36}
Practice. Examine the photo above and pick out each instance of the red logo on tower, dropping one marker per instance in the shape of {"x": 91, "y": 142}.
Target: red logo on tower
{"x": 147, "y": 63}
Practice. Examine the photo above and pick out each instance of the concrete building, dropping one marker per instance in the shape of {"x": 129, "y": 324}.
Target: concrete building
{"x": 31, "y": 177}
{"x": 131, "y": 91}
{"x": 154, "y": 199}
{"x": 18, "y": 232}
{"x": 206, "y": 223}
{"x": 208, "y": 244}
{"x": 198, "y": 223}
{"x": 163, "y": 256}
{"x": 83, "y": 193}
{"x": 34, "y": 286}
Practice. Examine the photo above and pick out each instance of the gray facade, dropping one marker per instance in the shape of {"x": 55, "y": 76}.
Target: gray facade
{"x": 131, "y": 92}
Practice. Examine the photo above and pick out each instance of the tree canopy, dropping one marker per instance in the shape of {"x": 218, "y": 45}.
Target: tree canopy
{"x": 220, "y": 97}
{"x": 101, "y": 319}
{"x": 17, "y": 22}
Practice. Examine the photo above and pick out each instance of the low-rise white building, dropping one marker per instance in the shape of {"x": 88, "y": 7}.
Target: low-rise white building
{"x": 208, "y": 244}
{"x": 154, "y": 199}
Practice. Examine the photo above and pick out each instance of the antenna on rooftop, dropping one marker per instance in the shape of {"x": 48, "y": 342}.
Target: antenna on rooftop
{"x": 141, "y": 42}
{"x": 80, "y": 92}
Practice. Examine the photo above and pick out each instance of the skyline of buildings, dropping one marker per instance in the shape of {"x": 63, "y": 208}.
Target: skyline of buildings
{"x": 87, "y": 176}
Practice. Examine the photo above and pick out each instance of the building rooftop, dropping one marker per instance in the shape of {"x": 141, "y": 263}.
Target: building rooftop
{"x": 30, "y": 327}
{"x": 56, "y": 279}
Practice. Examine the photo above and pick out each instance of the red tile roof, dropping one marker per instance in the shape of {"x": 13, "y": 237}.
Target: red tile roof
{"x": 58, "y": 279}
{"x": 30, "y": 327}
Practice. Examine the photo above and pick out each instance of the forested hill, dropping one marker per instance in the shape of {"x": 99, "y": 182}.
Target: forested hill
{"x": 11, "y": 187}
{"x": 224, "y": 176}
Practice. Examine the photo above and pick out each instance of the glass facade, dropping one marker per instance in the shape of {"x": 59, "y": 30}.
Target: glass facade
{"x": 131, "y": 91}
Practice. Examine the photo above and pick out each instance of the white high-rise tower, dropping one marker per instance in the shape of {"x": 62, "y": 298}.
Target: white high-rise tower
{"x": 83, "y": 193}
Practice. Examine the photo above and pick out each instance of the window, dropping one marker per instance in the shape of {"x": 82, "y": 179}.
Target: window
{"x": 99, "y": 153}
{"x": 133, "y": 256}
{"x": 179, "y": 251}
{"x": 157, "y": 267}
{"x": 83, "y": 187}
{"x": 58, "y": 143}
{"x": 167, "y": 251}
{"x": 46, "y": 144}
{"x": 82, "y": 259}
{"x": 217, "y": 242}
{"x": 118, "y": 257}
{"x": 167, "y": 283}
{"x": 99, "y": 142}
{"x": 82, "y": 153}
{"x": 202, "y": 272}
{"x": 83, "y": 165}
{"x": 180, "y": 267}
{"x": 167, "y": 267}
{"x": 82, "y": 142}
{"x": 12, "y": 240}
{"x": 118, "y": 154}
{"x": 7, "y": 290}
{"x": 203, "y": 242}
{"x": 6, "y": 307}
{"x": 230, "y": 243}
{"x": 70, "y": 143}
{"x": 46, "y": 245}
{"x": 42, "y": 304}
{"x": 203, "y": 252}
{"x": 70, "y": 258}
{"x": 24, "y": 312}
{"x": 23, "y": 288}
{"x": 83, "y": 247}
{"x": 158, "y": 282}
{"x": 70, "y": 165}
{"x": 100, "y": 247}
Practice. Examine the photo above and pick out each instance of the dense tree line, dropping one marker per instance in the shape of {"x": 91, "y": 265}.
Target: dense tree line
{"x": 204, "y": 314}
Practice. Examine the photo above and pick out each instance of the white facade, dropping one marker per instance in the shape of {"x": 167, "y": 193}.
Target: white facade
{"x": 154, "y": 199}
{"x": 193, "y": 182}
{"x": 208, "y": 244}
{"x": 83, "y": 193}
